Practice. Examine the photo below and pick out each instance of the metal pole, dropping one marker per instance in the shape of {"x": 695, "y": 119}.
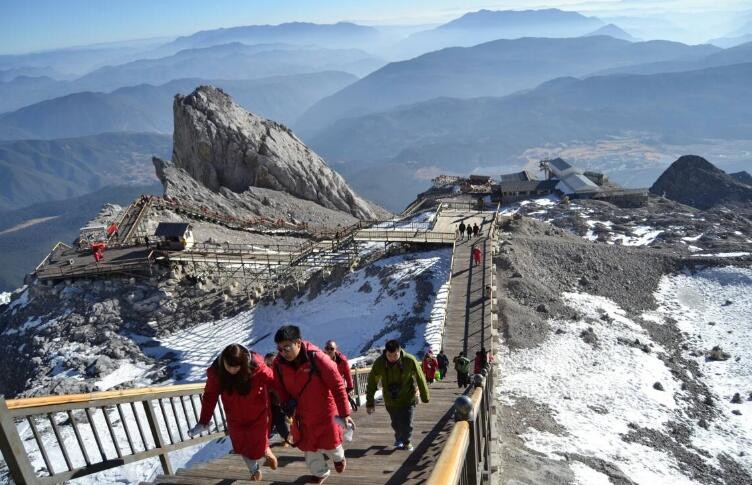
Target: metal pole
{"x": 14, "y": 453}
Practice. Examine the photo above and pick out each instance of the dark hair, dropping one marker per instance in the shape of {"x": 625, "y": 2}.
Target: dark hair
{"x": 270, "y": 355}
{"x": 235, "y": 355}
{"x": 287, "y": 332}
{"x": 392, "y": 346}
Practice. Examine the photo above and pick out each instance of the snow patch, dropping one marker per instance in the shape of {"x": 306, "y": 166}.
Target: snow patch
{"x": 356, "y": 317}
{"x": 126, "y": 372}
{"x": 714, "y": 307}
{"x": 584, "y": 475}
{"x": 5, "y": 297}
{"x": 592, "y": 396}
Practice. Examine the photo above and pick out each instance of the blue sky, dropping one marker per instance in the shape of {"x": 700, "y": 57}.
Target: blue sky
{"x": 32, "y": 25}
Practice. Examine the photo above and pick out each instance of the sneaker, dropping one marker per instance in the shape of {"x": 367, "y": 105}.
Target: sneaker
{"x": 409, "y": 446}
{"x": 256, "y": 476}
{"x": 271, "y": 460}
{"x": 399, "y": 445}
{"x": 340, "y": 465}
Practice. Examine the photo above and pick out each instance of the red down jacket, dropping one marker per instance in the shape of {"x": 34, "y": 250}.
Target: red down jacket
{"x": 248, "y": 415}
{"x": 344, "y": 370}
{"x": 322, "y": 398}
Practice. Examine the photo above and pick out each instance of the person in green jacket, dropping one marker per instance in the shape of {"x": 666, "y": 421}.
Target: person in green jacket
{"x": 401, "y": 377}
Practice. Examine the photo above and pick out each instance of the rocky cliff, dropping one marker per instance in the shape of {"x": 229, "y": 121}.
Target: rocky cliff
{"x": 743, "y": 177}
{"x": 694, "y": 181}
{"x": 223, "y": 146}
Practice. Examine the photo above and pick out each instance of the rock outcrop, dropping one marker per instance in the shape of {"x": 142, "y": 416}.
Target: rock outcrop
{"x": 742, "y": 177}
{"x": 694, "y": 181}
{"x": 223, "y": 146}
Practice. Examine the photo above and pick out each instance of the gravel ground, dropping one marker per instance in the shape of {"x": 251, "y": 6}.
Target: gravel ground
{"x": 536, "y": 263}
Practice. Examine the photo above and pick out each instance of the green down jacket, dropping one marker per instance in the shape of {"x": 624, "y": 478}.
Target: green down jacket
{"x": 402, "y": 376}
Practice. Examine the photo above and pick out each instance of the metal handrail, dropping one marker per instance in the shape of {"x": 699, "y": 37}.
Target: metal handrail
{"x": 466, "y": 456}
{"x": 123, "y": 427}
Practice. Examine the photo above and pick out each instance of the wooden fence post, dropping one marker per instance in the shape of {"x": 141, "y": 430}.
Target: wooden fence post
{"x": 13, "y": 450}
{"x": 156, "y": 434}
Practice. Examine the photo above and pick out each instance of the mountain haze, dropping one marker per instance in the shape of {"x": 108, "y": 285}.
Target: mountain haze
{"x": 35, "y": 171}
{"x": 460, "y": 135}
{"x": 230, "y": 61}
{"x": 147, "y": 108}
{"x": 492, "y": 69}
{"x": 487, "y": 25}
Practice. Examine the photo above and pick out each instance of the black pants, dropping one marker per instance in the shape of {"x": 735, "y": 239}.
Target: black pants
{"x": 402, "y": 422}
{"x": 463, "y": 379}
{"x": 443, "y": 371}
{"x": 279, "y": 424}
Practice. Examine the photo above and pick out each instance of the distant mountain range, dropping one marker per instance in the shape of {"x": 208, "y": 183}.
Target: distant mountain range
{"x": 231, "y": 61}
{"x": 228, "y": 61}
{"x": 302, "y": 33}
{"x": 487, "y": 25}
{"x": 614, "y": 31}
{"x": 492, "y": 69}
{"x": 147, "y": 108}
{"x": 734, "y": 55}
{"x": 34, "y": 171}
{"x": 459, "y": 135}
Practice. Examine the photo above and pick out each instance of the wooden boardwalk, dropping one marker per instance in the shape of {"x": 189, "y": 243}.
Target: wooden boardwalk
{"x": 371, "y": 457}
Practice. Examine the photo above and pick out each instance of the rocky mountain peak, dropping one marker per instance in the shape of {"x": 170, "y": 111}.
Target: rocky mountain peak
{"x": 221, "y": 145}
{"x": 694, "y": 181}
{"x": 743, "y": 177}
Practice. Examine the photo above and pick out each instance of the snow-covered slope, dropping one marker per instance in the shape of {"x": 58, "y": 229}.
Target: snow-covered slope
{"x": 400, "y": 297}
{"x": 616, "y": 410}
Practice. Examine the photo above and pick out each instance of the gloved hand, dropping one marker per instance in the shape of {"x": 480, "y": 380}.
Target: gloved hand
{"x": 370, "y": 409}
{"x": 197, "y": 430}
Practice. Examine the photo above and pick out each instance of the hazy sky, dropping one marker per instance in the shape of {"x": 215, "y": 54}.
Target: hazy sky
{"x": 31, "y": 25}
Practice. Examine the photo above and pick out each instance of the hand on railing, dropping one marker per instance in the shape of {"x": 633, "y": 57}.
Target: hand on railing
{"x": 198, "y": 430}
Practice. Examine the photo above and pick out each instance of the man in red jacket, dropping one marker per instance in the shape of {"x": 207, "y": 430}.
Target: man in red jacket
{"x": 342, "y": 365}
{"x": 313, "y": 392}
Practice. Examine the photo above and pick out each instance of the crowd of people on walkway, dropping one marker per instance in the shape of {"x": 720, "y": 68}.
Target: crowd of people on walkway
{"x": 304, "y": 394}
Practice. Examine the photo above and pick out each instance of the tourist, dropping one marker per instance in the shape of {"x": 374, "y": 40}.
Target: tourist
{"x": 462, "y": 366}
{"x": 242, "y": 379}
{"x": 400, "y": 377}
{"x": 462, "y": 229}
{"x": 476, "y": 230}
{"x": 476, "y": 256}
{"x": 343, "y": 366}
{"x": 443, "y": 363}
{"x": 482, "y": 358}
{"x": 429, "y": 366}
{"x": 312, "y": 393}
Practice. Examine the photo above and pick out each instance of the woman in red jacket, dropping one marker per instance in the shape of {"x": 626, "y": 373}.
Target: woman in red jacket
{"x": 429, "y": 365}
{"x": 313, "y": 392}
{"x": 242, "y": 379}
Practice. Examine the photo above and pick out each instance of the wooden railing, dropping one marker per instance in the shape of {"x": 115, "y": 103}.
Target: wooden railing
{"x": 425, "y": 237}
{"x": 466, "y": 457}
{"x": 89, "y": 433}
{"x": 98, "y": 431}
